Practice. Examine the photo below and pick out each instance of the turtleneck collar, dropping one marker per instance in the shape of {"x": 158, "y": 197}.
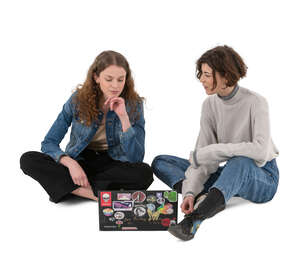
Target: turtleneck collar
{"x": 232, "y": 94}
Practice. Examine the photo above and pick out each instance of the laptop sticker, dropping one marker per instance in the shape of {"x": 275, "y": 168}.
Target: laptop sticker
{"x": 138, "y": 197}
{"x": 122, "y": 205}
{"x": 105, "y": 198}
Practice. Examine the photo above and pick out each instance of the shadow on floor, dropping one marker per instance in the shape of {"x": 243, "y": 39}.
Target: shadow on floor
{"x": 236, "y": 201}
{"x": 74, "y": 199}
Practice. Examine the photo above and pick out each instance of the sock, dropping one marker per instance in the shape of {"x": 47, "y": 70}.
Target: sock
{"x": 178, "y": 186}
{"x": 196, "y": 225}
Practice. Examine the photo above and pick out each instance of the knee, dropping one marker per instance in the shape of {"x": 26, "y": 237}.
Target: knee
{"x": 157, "y": 162}
{"x": 143, "y": 172}
{"x": 26, "y": 160}
{"x": 240, "y": 161}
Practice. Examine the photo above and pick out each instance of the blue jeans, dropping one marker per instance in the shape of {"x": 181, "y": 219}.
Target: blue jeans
{"x": 240, "y": 176}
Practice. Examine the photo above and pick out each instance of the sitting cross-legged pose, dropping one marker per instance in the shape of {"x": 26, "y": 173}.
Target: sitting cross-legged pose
{"x": 234, "y": 128}
{"x": 106, "y": 147}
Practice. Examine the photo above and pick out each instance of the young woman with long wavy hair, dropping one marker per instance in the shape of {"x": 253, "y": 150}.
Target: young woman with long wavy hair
{"x": 106, "y": 147}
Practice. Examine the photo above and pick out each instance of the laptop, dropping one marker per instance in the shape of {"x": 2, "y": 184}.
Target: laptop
{"x": 137, "y": 210}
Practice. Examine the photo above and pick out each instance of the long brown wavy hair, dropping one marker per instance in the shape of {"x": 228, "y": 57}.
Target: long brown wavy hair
{"x": 89, "y": 94}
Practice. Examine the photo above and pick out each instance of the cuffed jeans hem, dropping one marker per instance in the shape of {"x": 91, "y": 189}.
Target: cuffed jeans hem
{"x": 176, "y": 182}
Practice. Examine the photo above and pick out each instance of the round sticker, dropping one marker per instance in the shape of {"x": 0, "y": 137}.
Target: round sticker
{"x": 108, "y": 212}
{"x": 138, "y": 197}
{"x": 119, "y": 215}
{"x": 151, "y": 198}
{"x": 160, "y": 200}
{"x": 151, "y": 207}
{"x": 139, "y": 211}
{"x": 173, "y": 222}
{"x": 169, "y": 211}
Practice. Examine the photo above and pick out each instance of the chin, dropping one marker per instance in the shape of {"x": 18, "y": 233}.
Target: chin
{"x": 209, "y": 92}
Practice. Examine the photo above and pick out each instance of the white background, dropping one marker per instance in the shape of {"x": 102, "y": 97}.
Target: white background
{"x": 46, "y": 50}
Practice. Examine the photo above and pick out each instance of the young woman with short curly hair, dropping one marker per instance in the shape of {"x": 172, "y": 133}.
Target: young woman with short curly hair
{"x": 235, "y": 128}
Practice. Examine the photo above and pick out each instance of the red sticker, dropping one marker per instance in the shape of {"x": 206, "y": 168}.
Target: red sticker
{"x": 166, "y": 222}
{"x": 105, "y": 198}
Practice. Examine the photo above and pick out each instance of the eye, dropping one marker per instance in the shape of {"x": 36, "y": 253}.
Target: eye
{"x": 121, "y": 80}
{"x": 109, "y": 80}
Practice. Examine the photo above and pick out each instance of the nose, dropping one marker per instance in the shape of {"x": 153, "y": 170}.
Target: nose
{"x": 202, "y": 78}
{"x": 114, "y": 84}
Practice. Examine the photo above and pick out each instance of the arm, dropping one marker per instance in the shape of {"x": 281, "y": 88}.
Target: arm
{"x": 55, "y": 135}
{"x": 257, "y": 149}
{"x": 132, "y": 139}
{"x": 196, "y": 175}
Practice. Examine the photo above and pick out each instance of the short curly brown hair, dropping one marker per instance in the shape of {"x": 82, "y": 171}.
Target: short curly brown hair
{"x": 224, "y": 60}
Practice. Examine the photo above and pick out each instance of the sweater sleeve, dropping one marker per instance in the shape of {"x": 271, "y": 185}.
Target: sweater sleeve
{"x": 197, "y": 174}
{"x": 258, "y": 149}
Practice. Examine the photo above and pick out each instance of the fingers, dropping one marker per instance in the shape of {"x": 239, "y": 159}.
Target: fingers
{"x": 81, "y": 181}
{"x": 187, "y": 205}
{"x": 107, "y": 100}
{"x": 113, "y": 100}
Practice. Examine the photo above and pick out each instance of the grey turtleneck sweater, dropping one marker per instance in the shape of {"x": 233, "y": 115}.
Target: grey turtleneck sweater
{"x": 234, "y": 125}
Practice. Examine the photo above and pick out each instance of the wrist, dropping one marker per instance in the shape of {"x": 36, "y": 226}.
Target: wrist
{"x": 125, "y": 122}
{"x": 123, "y": 117}
{"x": 189, "y": 194}
{"x": 67, "y": 161}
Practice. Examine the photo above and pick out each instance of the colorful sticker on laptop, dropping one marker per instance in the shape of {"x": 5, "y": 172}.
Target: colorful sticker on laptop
{"x": 139, "y": 211}
{"x": 159, "y": 195}
{"x": 124, "y": 196}
{"x": 138, "y": 197}
{"x": 105, "y": 198}
{"x": 108, "y": 212}
{"x": 122, "y": 205}
{"x": 160, "y": 201}
{"x": 119, "y": 215}
{"x": 151, "y": 207}
{"x": 166, "y": 222}
{"x": 171, "y": 196}
{"x": 151, "y": 198}
{"x": 166, "y": 209}
{"x": 173, "y": 222}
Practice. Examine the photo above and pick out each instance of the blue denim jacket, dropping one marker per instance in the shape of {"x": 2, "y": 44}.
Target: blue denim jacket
{"x": 124, "y": 146}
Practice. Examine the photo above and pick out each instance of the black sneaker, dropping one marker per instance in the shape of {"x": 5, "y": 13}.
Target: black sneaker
{"x": 187, "y": 228}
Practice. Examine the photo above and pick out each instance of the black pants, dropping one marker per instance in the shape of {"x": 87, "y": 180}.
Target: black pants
{"x": 103, "y": 173}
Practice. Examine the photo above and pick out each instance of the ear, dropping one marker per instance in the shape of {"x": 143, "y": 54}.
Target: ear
{"x": 95, "y": 77}
{"x": 225, "y": 80}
